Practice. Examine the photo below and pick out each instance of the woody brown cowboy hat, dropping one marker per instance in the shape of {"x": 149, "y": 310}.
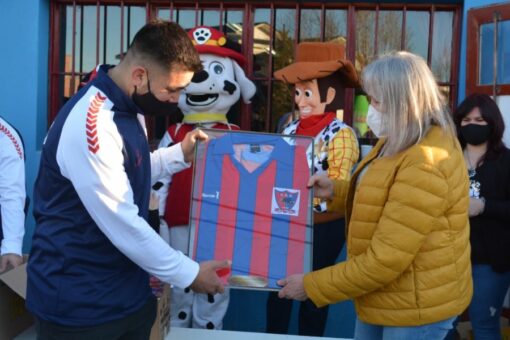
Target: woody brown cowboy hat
{"x": 316, "y": 60}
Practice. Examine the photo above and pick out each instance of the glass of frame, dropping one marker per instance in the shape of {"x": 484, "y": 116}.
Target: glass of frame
{"x": 250, "y": 204}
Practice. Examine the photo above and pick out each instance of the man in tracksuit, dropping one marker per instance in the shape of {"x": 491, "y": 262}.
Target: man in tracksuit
{"x": 93, "y": 250}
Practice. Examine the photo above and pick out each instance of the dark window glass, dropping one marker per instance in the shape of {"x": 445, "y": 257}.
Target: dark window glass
{"x": 335, "y": 27}
{"x": 365, "y": 38}
{"x": 186, "y": 18}
{"x": 261, "y": 41}
{"x": 417, "y": 33}
{"x": 441, "y": 62}
{"x": 285, "y": 30}
{"x": 389, "y": 31}
{"x": 210, "y": 18}
{"x": 487, "y": 53}
{"x": 259, "y": 106}
{"x": 310, "y": 25}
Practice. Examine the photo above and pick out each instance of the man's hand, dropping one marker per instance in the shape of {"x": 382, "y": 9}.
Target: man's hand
{"x": 189, "y": 141}
{"x": 322, "y": 186}
{"x": 153, "y": 201}
{"x": 293, "y": 288}
{"x": 10, "y": 260}
{"x": 207, "y": 280}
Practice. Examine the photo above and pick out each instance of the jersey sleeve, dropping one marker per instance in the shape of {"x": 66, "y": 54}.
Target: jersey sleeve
{"x": 101, "y": 182}
{"x": 12, "y": 193}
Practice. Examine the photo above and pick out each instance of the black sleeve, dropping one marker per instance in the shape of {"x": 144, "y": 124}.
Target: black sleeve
{"x": 154, "y": 219}
{"x": 499, "y": 208}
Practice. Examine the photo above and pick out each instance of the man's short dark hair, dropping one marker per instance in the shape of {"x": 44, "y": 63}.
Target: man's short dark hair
{"x": 167, "y": 44}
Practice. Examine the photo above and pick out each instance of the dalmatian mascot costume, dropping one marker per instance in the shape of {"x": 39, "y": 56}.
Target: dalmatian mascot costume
{"x": 204, "y": 103}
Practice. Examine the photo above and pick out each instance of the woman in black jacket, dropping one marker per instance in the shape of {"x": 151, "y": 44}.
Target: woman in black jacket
{"x": 480, "y": 129}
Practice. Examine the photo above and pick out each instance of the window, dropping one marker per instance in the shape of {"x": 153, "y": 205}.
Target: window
{"x": 267, "y": 33}
{"x": 488, "y": 50}
{"x": 430, "y": 32}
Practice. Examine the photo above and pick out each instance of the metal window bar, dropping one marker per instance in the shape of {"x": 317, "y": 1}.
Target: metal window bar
{"x": 121, "y": 52}
{"x": 105, "y": 29}
{"x": 269, "y": 78}
{"x": 196, "y": 13}
{"x": 128, "y": 29}
{"x": 81, "y": 38}
{"x": 403, "y": 37}
{"x": 98, "y": 25}
{"x": 220, "y": 27}
{"x": 495, "y": 18}
{"x": 454, "y": 70}
{"x": 297, "y": 33}
{"x": 431, "y": 35}
{"x": 247, "y": 49}
{"x": 376, "y": 33}
{"x": 73, "y": 48}
{"x": 323, "y": 22}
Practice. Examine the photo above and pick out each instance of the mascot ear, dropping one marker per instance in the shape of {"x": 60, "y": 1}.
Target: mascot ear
{"x": 247, "y": 86}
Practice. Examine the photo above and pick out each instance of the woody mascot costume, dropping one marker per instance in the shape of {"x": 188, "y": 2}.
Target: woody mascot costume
{"x": 205, "y": 102}
{"x": 320, "y": 76}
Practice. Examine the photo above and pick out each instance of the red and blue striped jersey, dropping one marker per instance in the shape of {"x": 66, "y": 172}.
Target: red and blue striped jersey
{"x": 251, "y": 205}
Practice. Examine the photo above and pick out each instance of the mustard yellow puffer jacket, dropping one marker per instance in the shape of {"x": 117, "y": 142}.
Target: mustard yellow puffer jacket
{"x": 407, "y": 239}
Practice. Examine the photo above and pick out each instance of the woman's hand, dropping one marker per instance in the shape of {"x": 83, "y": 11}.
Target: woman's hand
{"x": 322, "y": 186}
{"x": 476, "y": 206}
{"x": 293, "y": 288}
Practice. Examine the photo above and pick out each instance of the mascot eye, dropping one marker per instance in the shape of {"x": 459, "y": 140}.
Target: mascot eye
{"x": 298, "y": 93}
{"x": 217, "y": 68}
{"x": 308, "y": 93}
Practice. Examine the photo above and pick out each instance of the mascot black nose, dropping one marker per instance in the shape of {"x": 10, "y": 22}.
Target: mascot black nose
{"x": 229, "y": 87}
{"x": 199, "y": 77}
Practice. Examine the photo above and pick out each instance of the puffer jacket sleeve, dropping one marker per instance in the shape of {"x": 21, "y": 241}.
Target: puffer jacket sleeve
{"x": 417, "y": 200}
{"x": 340, "y": 190}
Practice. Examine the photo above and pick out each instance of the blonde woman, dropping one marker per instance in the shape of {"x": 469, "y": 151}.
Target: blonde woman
{"x": 406, "y": 206}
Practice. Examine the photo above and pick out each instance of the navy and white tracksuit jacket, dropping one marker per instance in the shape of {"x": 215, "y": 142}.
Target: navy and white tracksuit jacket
{"x": 93, "y": 248}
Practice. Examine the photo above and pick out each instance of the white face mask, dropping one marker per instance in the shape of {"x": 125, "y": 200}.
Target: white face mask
{"x": 374, "y": 121}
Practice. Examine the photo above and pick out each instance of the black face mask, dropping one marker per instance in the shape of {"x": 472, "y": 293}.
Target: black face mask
{"x": 152, "y": 106}
{"x": 475, "y": 134}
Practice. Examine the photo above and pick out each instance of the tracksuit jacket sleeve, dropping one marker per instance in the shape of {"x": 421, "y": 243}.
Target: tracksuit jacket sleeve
{"x": 167, "y": 161}
{"x": 165, "y": 181}
{"x": 12, "y": 191}
{"x": 104, "y": 189}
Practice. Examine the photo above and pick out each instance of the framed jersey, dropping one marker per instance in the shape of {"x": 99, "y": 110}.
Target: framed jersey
{"x": 250, "y": 204}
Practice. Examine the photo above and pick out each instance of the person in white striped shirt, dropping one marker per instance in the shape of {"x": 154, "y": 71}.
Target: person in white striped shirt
{"x": 12, "y": 196}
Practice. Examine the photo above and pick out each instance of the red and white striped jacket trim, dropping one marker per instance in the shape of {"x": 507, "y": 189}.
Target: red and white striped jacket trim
{"x": 91, "y": 123}
{"x": 15, "y": 143}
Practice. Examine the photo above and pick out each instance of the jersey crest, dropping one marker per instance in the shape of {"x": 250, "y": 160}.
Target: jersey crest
{"x": 285, "y": 201}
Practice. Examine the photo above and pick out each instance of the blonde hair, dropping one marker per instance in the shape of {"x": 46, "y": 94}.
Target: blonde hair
{"x": 410, "y": 99}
